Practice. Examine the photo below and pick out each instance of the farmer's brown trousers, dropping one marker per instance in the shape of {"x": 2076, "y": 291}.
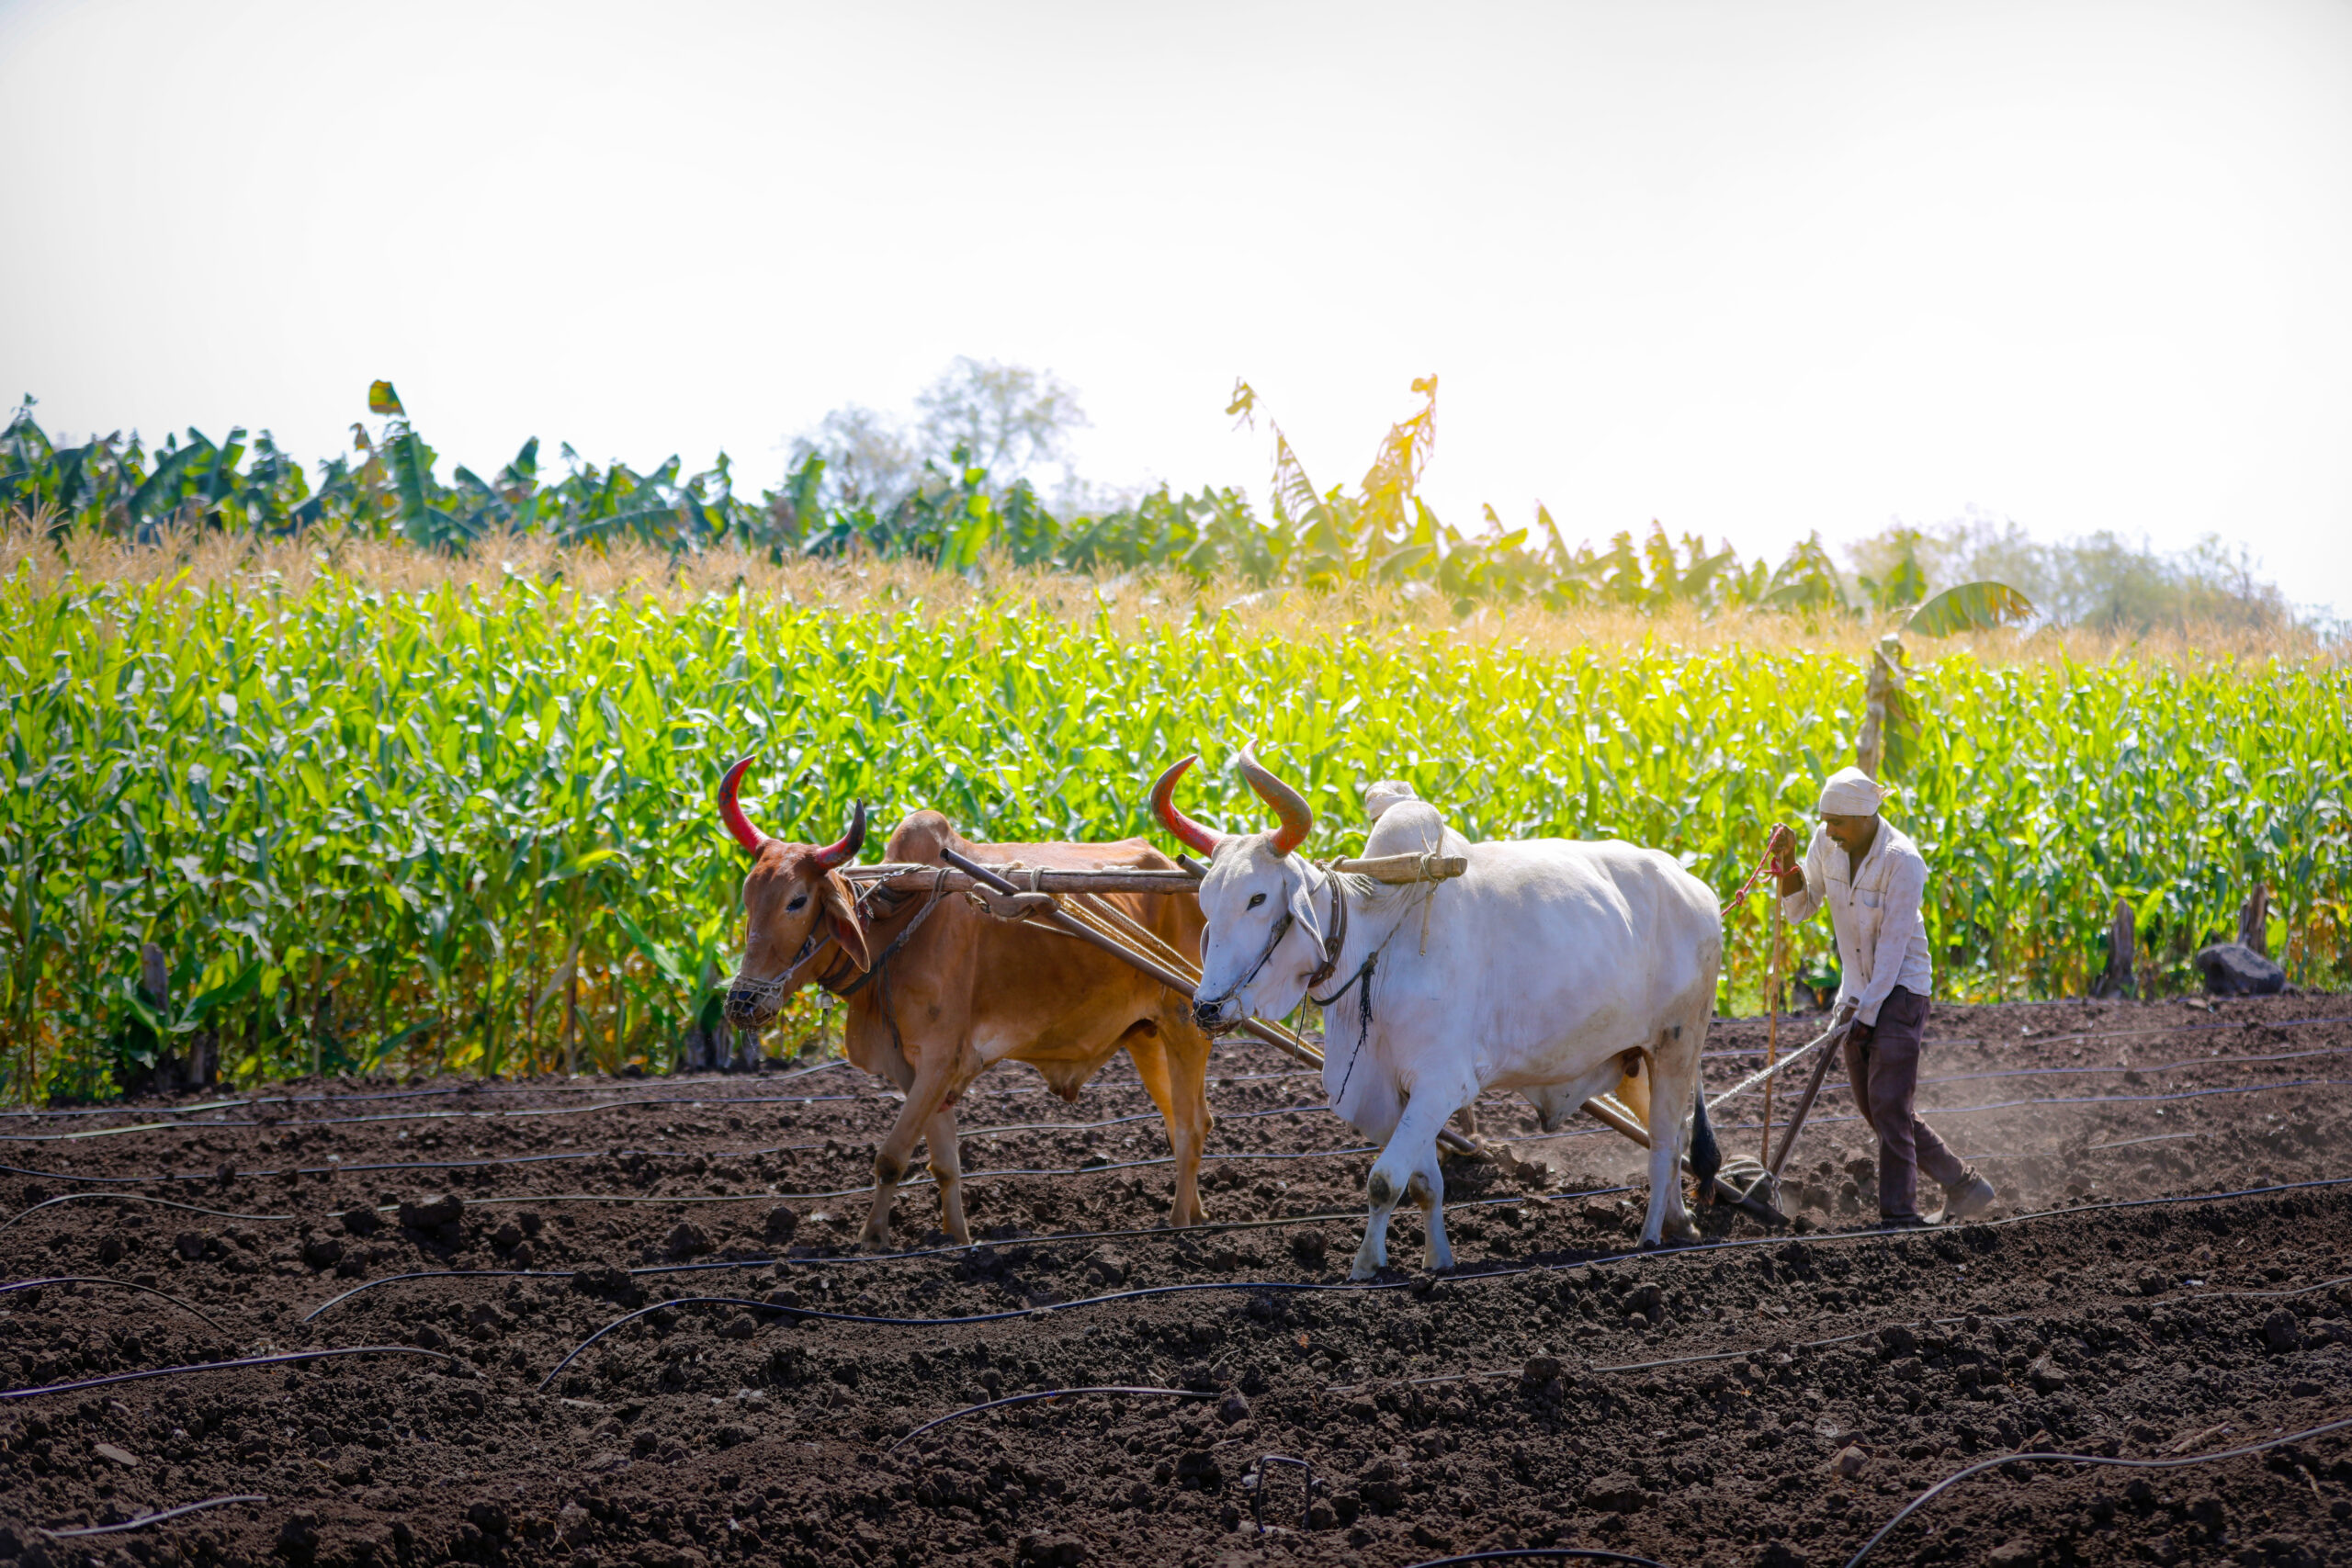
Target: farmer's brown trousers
{"x": 1883, "y": 1064}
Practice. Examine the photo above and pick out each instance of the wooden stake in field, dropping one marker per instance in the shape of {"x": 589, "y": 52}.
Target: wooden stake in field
{"x": 1771, "y": 1022}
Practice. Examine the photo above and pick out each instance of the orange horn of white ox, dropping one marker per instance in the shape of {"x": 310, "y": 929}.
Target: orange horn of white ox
{"x": 1163, "y": 805}
{"x": 1298, "y": 816}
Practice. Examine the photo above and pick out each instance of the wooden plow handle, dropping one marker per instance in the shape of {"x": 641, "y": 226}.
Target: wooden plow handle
{"x": 1830, "y": 1043}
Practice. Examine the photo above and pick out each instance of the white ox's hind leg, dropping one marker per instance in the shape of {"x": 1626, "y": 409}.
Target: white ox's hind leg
{"x": 1407, "y": 1167}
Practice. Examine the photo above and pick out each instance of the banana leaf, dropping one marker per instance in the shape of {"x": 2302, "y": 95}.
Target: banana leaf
{"x": 1971, "y": 606}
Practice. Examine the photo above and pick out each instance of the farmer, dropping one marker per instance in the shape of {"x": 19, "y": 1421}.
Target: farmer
{"x": 1873, "y": 879}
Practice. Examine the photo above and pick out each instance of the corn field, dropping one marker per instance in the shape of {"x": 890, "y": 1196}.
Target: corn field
{"x": 469, "y": 828}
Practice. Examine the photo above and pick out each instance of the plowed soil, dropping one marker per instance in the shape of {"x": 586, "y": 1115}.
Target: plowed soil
{"x": 1770, "y": 1398}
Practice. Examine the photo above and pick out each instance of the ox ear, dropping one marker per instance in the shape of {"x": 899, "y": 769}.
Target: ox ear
{"x": 842, "y": 922}
{"x": 1301, "y": 910}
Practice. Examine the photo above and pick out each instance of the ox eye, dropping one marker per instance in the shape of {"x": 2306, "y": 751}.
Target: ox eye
{"x": 797, "y": 905}
{"x": 1256, "y": 900}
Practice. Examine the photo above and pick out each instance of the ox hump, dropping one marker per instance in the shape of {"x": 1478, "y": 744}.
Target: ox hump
{"x": 1411, "y": 828}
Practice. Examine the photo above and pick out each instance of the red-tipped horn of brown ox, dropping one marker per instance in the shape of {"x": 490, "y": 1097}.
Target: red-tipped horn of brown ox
{"x": 1163, "y": 805}
{"x": 845, "y": 850}
{"x": 731, "y": 813}
{"x": 1298, "y": 816}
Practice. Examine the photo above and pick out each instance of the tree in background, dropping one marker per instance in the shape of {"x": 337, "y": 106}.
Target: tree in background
{"x": 868, "y": 459}
{"x": 2100, "y": 581}
{"x": 864, "y": 481}
{"x": 1009, "y": 420}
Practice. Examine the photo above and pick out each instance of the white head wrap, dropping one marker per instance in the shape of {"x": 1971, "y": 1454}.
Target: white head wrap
{"x": 1384, "y": 795}
{"x": 1850, "y": 792}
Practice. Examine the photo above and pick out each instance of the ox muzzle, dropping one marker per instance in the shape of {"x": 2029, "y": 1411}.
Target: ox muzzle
{"x": 751, "y": 1004}
{"x": 1220, "y": 1017}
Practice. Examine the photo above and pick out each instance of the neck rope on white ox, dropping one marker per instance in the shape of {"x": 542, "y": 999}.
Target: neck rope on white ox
{"x": 1361, "y": 981}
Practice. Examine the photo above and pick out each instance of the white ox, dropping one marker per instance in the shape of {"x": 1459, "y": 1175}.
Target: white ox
{"x": 1554, "y": 967}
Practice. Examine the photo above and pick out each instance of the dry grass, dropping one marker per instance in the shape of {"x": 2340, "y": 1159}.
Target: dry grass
{"x": 1131, "y": 602}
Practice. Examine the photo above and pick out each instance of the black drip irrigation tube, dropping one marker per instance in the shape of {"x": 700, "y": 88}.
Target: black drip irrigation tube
{"x": 1979, "y": 1468}
{"x": 722, "y": 1100}
{"x": 1841, "y": 1086}
{"x": 283, "y": 1359}
{"x": 1545, "y": 1553}
{"x": 489, "y": 1160}
{"x": 1157, "y": 1233}
{"x": 912, "y": 1183}
{"x": 1697, "y": 1249}
{"x": 476, "y": 1164}
{"x": 1704, "y": 1357}
{"x": 15, "y": 1285}
{"x": 526, "y": 1113}
{"x": 1033, "y": 1398}
{"x": 492, "y": 1088}
{"x": 134, "y": 1198}
{"x": 926, "y": 1180}
{"x": 143, "y": 1520}
{"x": 2054, "y": 1039}
{"x": 707, "y": 1102}
{"x": 1996, "y": 1105}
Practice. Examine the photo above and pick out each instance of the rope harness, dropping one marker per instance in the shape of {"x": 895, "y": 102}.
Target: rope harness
{"x": 1748, "y": 887}
{"x": 879, "y": 902}
{"x": 768, "y": 993}
{"x": 877, "y": 973}
{"x": 1282, "y": 930}
{"x": 1361, "y": 981}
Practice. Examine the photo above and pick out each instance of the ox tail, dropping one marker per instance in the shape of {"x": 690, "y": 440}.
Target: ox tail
{"x": 1706, "y": 1154}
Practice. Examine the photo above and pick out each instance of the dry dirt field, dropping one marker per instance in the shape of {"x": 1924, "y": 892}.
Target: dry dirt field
{"x": 1763, "y": 1399}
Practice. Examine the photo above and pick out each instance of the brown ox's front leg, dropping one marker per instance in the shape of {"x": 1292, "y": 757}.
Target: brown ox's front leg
{"x": 947, "y": 1167}
{"x": 925, "y": 1097}
{"x": 1174, "y": 1065}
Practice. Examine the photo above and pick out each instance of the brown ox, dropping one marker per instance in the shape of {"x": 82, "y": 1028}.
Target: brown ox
{"x": 939, "y": 990}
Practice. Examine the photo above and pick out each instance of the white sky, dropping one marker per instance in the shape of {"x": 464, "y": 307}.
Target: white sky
{"x": 1748, "y": 268}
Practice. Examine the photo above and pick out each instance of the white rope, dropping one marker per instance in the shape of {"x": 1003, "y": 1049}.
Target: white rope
{"x": 1785, "y": 1063}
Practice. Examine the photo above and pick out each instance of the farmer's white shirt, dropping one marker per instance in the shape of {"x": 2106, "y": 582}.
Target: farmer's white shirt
{"x": 1881, "y": 935}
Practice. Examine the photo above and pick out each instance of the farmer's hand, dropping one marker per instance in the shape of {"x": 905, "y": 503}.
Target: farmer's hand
{"x": 1783, "y": 847}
